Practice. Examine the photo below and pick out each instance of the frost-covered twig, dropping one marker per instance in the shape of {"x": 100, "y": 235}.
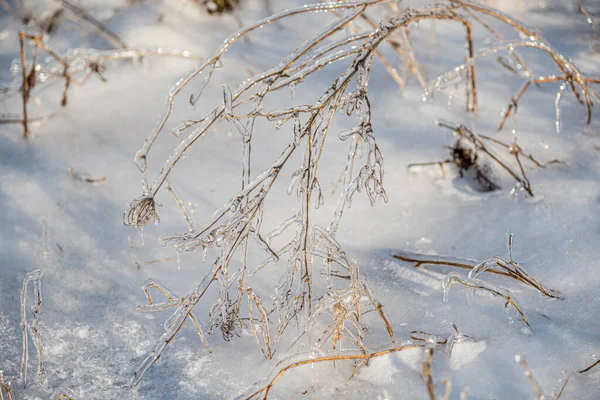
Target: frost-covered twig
{"x": 472, "y": 283}
{"x": 6, "y": 387}
{"x": 466, "y": 158}
{"x": 32, "y": 329}
{"x": 99, "y": 26}
{"x": 75, "y": 67}
{"x": 263, "y": 390}
{"x": 495, "y": 265}
{"x": 326, "y": 311}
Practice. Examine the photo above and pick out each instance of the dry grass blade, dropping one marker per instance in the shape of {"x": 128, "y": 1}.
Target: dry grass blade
{"x": 77, "y": 176}
{"x": 427, "y": 375}
{"x": 583, "y": 371}
{"x": 530, "y": 377}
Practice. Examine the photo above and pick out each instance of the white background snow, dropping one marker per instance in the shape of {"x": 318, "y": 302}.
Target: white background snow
{"x": 94, "y": 266}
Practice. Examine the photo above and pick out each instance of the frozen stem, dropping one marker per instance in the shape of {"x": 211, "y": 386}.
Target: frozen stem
{"x": 495, "y": 265}
{"x": 480, "y": 285}
{"x": 32, "y": 328}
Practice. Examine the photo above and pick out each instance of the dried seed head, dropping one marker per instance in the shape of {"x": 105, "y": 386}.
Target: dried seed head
{"x": 141, "y": 213}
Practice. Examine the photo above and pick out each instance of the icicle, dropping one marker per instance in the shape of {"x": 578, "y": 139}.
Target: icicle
{"x": 559, "y": 95}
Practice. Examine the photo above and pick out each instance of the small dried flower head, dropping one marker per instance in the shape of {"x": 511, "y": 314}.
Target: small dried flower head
{"x": 141, "y": 213}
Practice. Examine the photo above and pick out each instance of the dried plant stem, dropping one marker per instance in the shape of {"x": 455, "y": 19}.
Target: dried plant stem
{"x": 498, "y": 36}
{"x": 579, "y": 372}
{"x": 25, "y": 85}
{"x": 589, "y": 17}
{"x": 99, "y": 26}
{"x": 265, "y": 391}
{"x": 530, "y": 377}
{"x": 169, "y": 295}
{"x": 32, "y": 330}
{"x": 422, "y": 259}
{"x": 514, "y": 150}
{"x": 508, "y": 298}
{"x": 426, "y": 373}
{"x": 142, "y": 154}
{"x": 330, "y": 311}
{"x": 496, "y": 265}
{"x": 6, "y": 388}
{"x": 181, "y": 205}
{"x": 379, "y": 307}
{"x": 590, "y": 367}
{"x": 515, "y": 100}
{"x": 68, "y": 68}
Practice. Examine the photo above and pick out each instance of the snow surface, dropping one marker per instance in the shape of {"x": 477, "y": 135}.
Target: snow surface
{"x": 94, "y": 266}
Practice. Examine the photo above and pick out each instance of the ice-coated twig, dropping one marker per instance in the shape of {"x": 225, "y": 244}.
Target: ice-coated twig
{"x": 514, "y": 150}
{"x": 448, "y": 341}
{"x": 327, "y": 307}
{"x": 150, "y": 283}
{"x": 99, "y": 26}
{"x": 470, "y": 283}
{"x": 175, "y": 323}
{"x": 495, "y": 265}
{"x": 263, "y": 389}
{"x": 181, "y": 205}
{"x": 32, "y": 329}
{"x": 143, "y": 152}
{"x": 6, "y": 387}
{"x": 75, "y": 67}
{"x": 589, "y": 19}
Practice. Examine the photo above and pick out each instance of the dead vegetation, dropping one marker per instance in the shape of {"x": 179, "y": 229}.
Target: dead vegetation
{"x": 330, "y": 302}
{"x": 325, "y": 309}
{"x": 219, "y": 6}
{"x": 495, "y": 265}
{"x": 31, "y": 329}
{"x": 6, "y": 387}
{"x": 41, "y": 65}
{"x": 74, "y": 68}
{"x": 536, "y": 386}
{"x": 465, "y": 156}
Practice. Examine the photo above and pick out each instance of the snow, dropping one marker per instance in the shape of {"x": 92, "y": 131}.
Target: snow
{"x": 93, "y": 266}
